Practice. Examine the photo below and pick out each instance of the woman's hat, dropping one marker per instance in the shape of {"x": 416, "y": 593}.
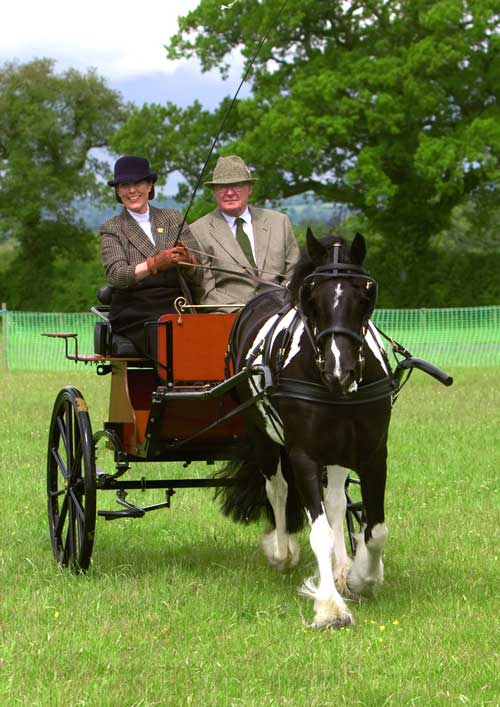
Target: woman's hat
{"x": 230, "y": 170}
{"x": 132, "y": 169}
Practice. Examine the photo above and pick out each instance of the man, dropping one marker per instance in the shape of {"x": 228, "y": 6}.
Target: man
{"x": 250, "y": 248}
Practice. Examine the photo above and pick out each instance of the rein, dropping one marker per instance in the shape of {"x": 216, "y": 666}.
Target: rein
{"x": 243, "y": 271}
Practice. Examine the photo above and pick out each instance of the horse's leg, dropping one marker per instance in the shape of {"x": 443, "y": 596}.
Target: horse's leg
{"x": 335, "y": 505}
{"x": 280, "y": 548}
{"x": 367, "y": 572}
{"x": 329, "y": 607}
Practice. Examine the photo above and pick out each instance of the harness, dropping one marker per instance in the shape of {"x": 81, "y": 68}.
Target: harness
{"x": 277, "y": 386}
{"x": 260, "y": 360}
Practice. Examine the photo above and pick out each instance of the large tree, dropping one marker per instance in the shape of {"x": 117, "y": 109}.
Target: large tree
{"x": 387, "y": 106}
{"x": 49, "y": 126}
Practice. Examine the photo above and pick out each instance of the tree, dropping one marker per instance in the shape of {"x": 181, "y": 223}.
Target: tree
{"x": 387, "y": 106}
{"x": 49, "y": 125}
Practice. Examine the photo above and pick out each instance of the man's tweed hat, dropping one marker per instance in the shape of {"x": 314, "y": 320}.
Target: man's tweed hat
{"x": 230, "y": 170}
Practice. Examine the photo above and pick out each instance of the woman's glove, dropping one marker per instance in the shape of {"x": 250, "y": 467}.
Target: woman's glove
{"x": 169, "y": 258}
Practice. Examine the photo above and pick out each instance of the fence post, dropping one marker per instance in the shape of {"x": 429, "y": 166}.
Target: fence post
{"x": 4, "y": 335}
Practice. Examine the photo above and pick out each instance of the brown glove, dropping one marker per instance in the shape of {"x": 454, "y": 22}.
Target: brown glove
{"x": 184, "y": 255}
{"x": 169, "y": 258}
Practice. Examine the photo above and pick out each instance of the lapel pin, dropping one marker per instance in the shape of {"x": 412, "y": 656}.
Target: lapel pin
{"x": 160, "y": 230}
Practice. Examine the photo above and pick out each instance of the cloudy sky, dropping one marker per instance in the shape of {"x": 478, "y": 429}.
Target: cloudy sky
{"x": 123, "y": 40}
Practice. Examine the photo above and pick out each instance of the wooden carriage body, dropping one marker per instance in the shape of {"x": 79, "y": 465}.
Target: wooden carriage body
{"x": 182, "y": 407}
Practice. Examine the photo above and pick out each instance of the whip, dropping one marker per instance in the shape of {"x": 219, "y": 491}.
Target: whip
{"x": 272, "y": 24}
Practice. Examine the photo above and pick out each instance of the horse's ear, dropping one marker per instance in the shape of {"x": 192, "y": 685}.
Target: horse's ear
{"x": 315, "y": 249}
{"x": 358, "y": 249}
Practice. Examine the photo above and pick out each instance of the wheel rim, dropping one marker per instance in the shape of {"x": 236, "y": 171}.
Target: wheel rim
{"x": 71, "y": 489}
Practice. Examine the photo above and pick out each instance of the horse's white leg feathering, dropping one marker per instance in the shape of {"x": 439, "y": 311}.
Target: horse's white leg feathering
{"x": 367, "y": 572}
{"x": 335, "y": 506}
{"x": 329, "y": 607}
{"x": 280, "y": 548}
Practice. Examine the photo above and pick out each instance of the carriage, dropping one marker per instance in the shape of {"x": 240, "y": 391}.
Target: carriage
{"x": 193, "y": 402}
{"x": 179, "y": 408}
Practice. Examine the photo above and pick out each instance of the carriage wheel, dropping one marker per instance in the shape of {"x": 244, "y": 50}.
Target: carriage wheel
{"x": 354, "y": 515}
{"x": 71, "y": 487}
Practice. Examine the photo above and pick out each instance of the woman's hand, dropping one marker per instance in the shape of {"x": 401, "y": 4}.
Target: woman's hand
{"x": 169, "y": 258}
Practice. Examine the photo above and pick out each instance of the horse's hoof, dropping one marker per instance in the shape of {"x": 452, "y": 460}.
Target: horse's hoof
{"x": 349, "y": 595}
{"x": 343, "y": 621}
{"x": 282, "y": 564}
{"x": 364, "y": 588}
{"x": 343, "y": 589}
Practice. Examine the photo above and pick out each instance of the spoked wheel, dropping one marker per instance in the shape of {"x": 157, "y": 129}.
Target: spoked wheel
{"x": 71, "y": 487}
{"x": 354, "y": 513}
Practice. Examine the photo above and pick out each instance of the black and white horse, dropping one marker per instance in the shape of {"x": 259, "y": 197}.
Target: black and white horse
{"x": 322, "y": 390}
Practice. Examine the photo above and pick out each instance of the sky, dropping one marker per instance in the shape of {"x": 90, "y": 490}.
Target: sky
{"x": 122, "y": 40}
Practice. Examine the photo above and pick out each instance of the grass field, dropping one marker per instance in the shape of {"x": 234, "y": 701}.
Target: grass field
{"x": 179, "y": 608}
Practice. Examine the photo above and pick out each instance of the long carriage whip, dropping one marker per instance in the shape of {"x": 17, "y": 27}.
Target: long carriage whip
{"x": 214, "y": 142}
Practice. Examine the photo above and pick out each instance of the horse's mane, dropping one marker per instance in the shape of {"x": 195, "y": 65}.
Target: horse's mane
{"x": 306, "y": 264}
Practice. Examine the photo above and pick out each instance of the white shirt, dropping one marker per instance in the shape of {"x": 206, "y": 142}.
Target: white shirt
{"x": 247, "y": 226}
{"x": 144, "y": 223}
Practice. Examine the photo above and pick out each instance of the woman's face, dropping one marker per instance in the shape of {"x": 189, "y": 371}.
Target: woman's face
{"x": 135, "y": 195}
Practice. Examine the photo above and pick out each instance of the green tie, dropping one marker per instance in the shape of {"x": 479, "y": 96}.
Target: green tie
{"x": 243, "y": 241}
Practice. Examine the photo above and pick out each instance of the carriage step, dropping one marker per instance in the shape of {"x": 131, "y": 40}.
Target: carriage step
{"x": 134, "y": 511}
{"x": 112, "y": 515}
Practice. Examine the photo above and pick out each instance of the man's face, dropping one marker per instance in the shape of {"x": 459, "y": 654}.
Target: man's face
{"x": 233, "y": 198}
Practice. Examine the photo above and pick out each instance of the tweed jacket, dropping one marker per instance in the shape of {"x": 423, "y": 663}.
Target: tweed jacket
{"x": 124, "y": 245}
{"x": 276, "y": 252}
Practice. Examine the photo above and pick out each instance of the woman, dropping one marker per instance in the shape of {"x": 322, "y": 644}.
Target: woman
{"x": 140, "y": 259}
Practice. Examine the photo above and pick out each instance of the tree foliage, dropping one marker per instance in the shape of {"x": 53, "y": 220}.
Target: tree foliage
{"x": 49, "y": 125}
{"x": 387, "y": 106}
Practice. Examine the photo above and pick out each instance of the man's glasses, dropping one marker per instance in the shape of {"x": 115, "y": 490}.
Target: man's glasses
{"x": 231, "y": 187}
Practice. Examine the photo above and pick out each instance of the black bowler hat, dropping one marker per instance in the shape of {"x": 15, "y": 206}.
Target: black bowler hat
{"x": 132, "y": 169}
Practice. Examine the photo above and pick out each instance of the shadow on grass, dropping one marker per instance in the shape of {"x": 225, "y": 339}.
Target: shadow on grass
{"x": 235, "y": 558}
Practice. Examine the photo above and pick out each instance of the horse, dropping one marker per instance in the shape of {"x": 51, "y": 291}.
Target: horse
{"x": 317, "y": 397}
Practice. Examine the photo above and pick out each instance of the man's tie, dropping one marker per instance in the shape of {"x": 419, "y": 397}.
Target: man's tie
{"x": 243, "y": 241}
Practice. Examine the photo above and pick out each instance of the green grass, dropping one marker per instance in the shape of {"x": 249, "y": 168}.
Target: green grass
{"x": 179, "y": 608}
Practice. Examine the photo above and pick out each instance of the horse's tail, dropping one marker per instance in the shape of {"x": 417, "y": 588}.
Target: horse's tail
{"x": 245, "y": 500}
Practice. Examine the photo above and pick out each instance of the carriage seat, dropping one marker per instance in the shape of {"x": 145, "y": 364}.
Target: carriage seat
{"x": 107, "y": 343}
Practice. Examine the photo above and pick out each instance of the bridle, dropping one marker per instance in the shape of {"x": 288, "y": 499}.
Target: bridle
{"x": 336, "y": 270}
{"x": 268, "y": 362}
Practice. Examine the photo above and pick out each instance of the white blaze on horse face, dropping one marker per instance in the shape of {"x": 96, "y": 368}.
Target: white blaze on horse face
{"x": 337, "y": 370}
{"x": 338, "y": 293}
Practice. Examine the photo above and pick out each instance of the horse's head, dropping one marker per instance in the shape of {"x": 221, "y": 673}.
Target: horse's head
{"x": 337, "y": 297}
